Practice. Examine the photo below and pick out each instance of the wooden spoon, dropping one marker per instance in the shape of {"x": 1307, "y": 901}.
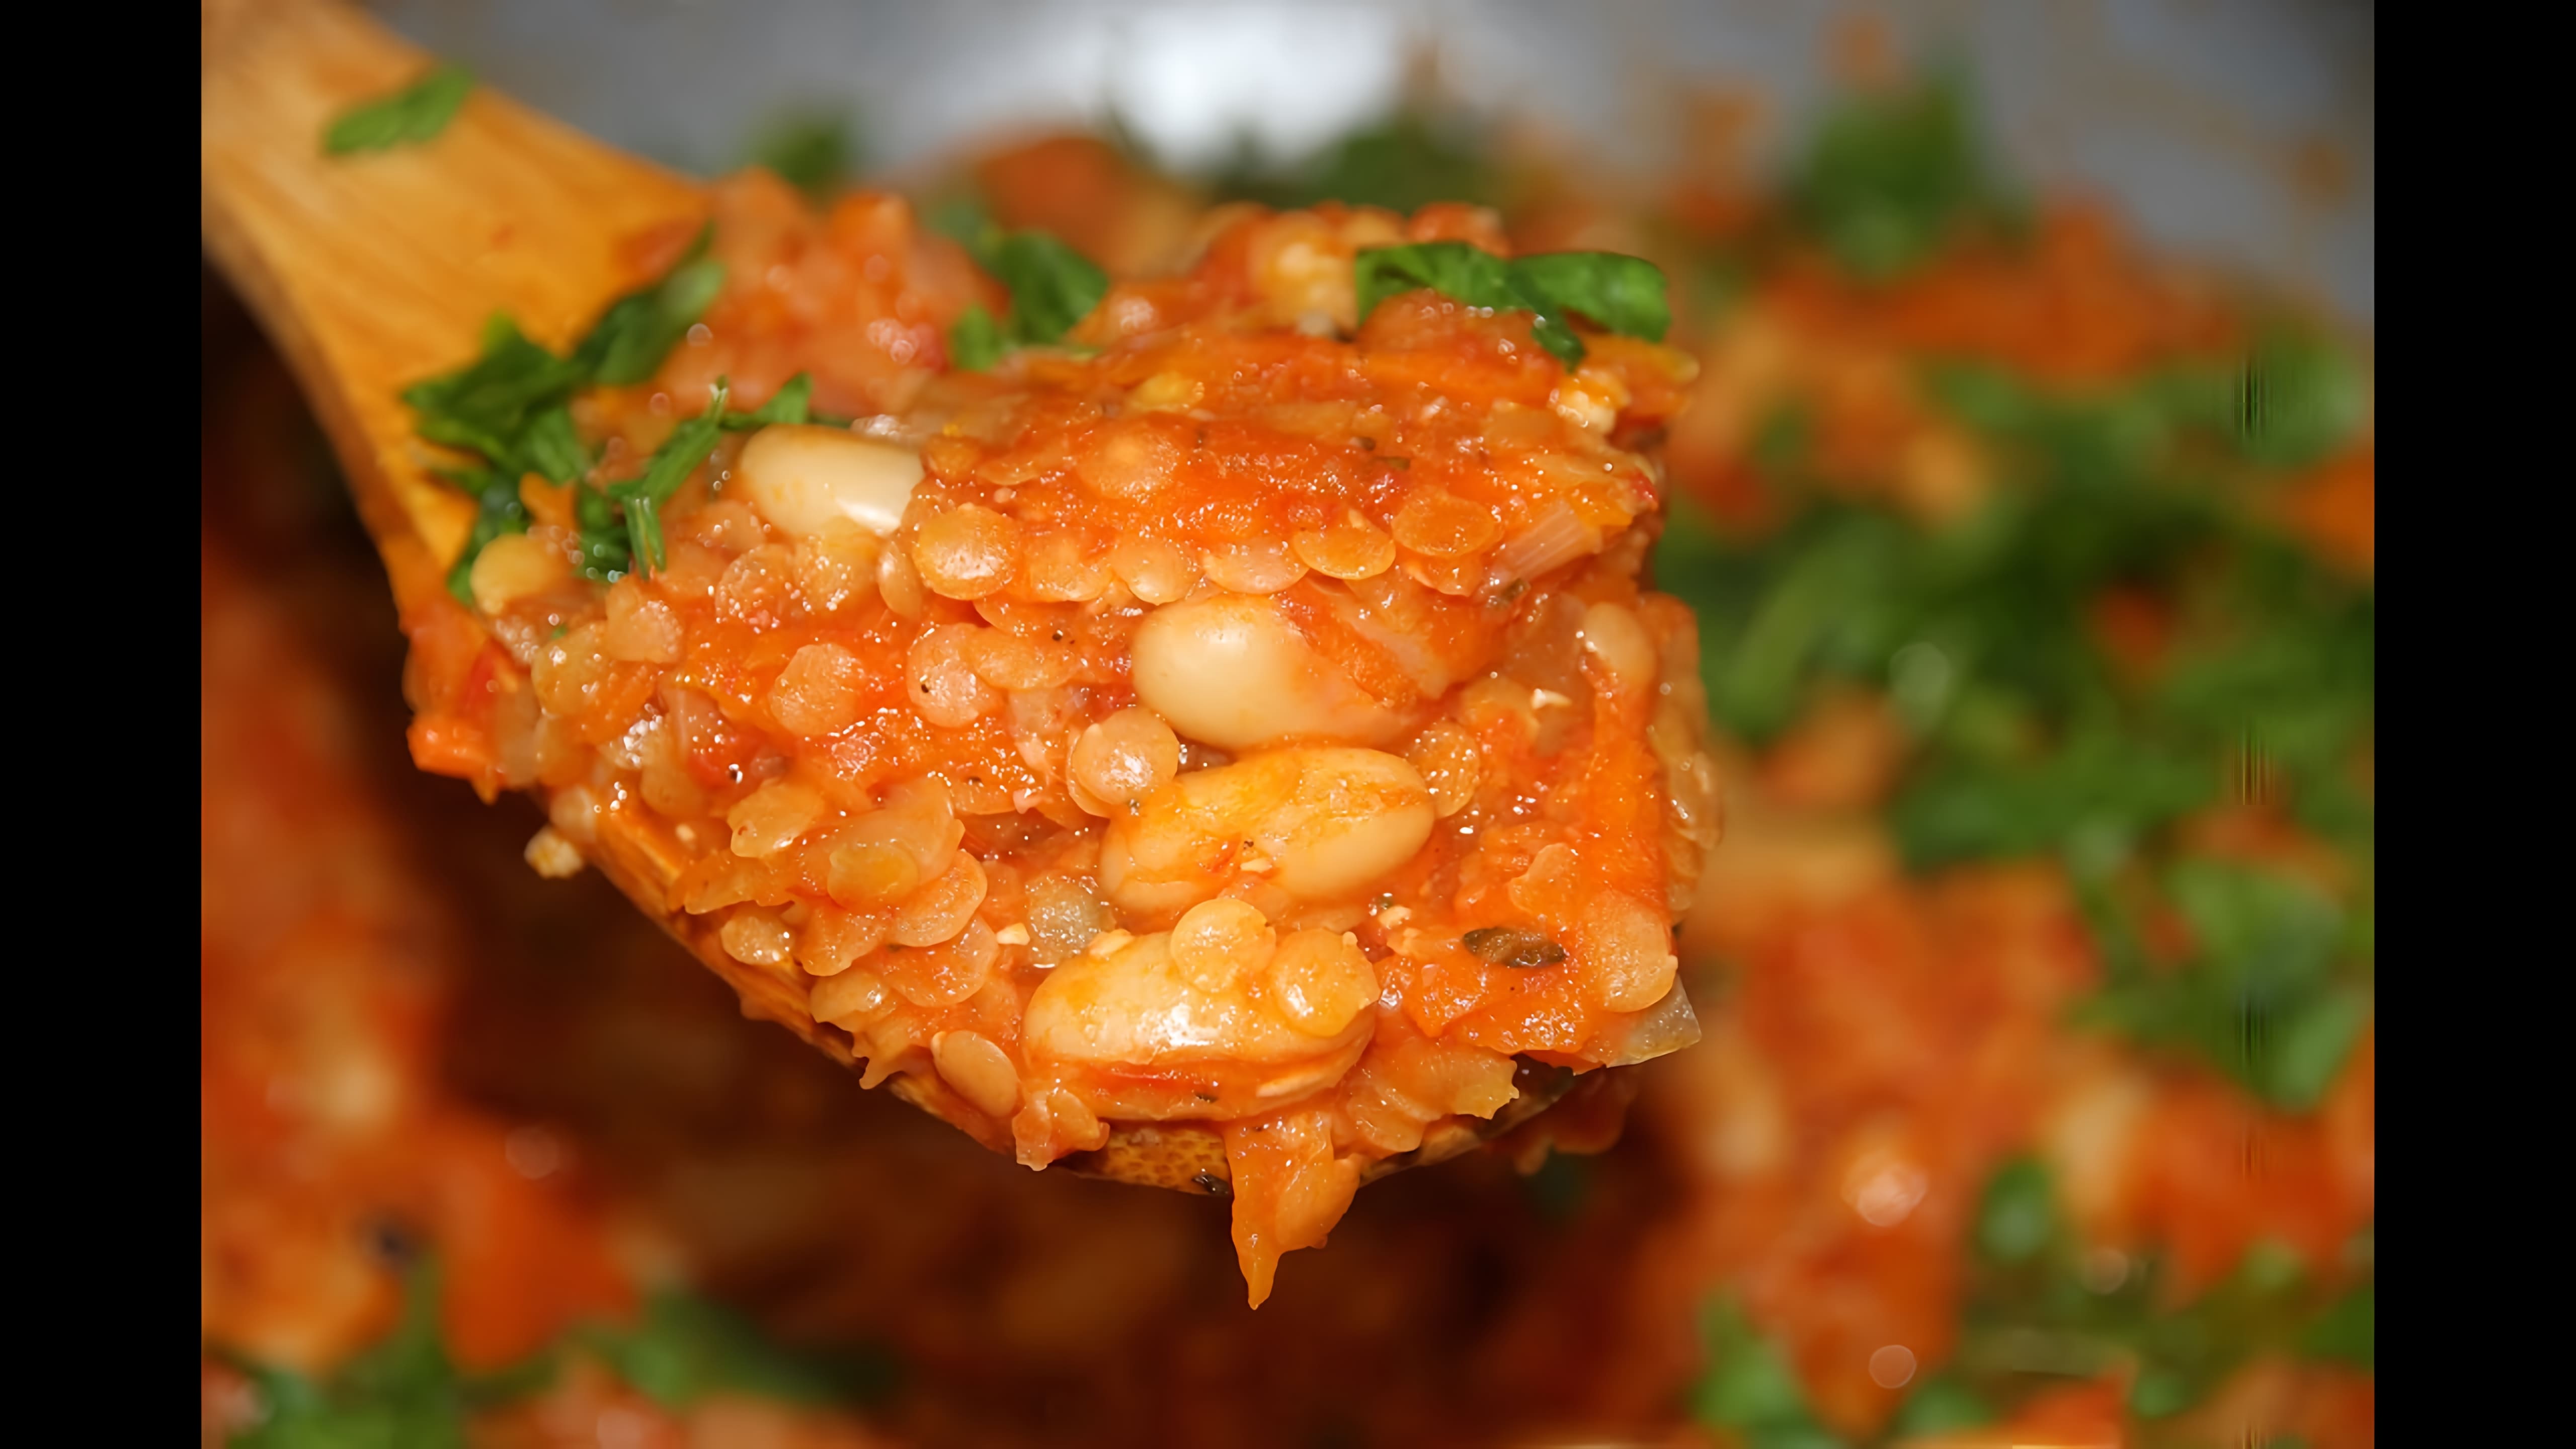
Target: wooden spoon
{"x": 373, "y": 271}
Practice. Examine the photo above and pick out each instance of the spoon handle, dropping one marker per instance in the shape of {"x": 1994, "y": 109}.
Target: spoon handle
{"x": 371, "y": 271}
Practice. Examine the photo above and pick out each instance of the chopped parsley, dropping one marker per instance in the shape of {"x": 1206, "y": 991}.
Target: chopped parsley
{"x": 1891, "y": 177}
{"x": 2348, "y": 1332}
{"x": 1750, "y": 1388}
{"x": 1622, "y": 294}
{"x": 1052, "y": 287}
{"x": 406, "y": 1393}
{"x": 641, "y": 498}
{"x": 2275, "y": 992}
{"x": 551, "y": 448}
{"x": 2044, "y": 1308}
{"x": 2027, "y": 738}
{"x": 1402, "y": 164}
{"x": 812, "y": 148}
{"x": 790, "y": 404}
{"x": 978, "y": 341}
{"x": 489, "y": 405}
{"x": 605, "y": 553}
{"x": 687, "y": 1348}
{"x": 511, "y": 405}
{"x": 639, "y": 329}
{"x": 2297, "y": 399}
{"x": 403, "y": 1393}
{"x": 408, "y": 117}
{"x": 497, "y": 511}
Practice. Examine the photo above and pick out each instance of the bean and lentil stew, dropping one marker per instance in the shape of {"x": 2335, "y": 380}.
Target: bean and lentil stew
{"x": 1246, "y": 712}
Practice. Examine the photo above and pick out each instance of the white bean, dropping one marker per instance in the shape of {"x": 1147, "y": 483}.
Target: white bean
{"x": 1328, "y": 821}
{"x": 1134, "y": 1033}
{"x": 1230, "y": 671}
{"x": 803, "y": 478}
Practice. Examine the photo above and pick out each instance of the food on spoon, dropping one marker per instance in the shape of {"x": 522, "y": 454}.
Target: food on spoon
{"x": 1244, "y": 713}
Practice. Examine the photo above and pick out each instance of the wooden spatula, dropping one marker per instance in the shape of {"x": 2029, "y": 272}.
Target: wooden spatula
{"x": 373, "y": 271}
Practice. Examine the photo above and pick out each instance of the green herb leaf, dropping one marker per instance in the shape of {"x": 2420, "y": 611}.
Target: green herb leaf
{"x": 1782, "y": 443}
{"x": 687, "y": 1347}
{"x": 605, "y": 552}
{"x": 2309, "y": 1044}
{"x": 2261, "y": 997}
{"x": 1052, "y": 285}
{"x": 1891, "y": 176}
{"x": 977, "y": 341}
{"x": 2099, "y": 783}
{"x": 1623, "y": 294}
{"x": 551, "y": 448}
{"x": 1940, "y": 1402}
{"x": 511, "y": 406}
{"x": 2187, "y": 1353}
{"x": 811, "y": 149}
{"x": 787, "y": 405}
{"x": 1403, "y": 165}
{"x": 2019, "y": 1216}
{"x": 1750, "y": 1388}
{"x": 403, "y": 1393}
{"x": 964, "y": 219}
{"x": 487, "y": 406}
{"x": 408, "y": 117}
{"x": 640, "y": 329}
{"x": 2027, "y": 740}
{"x": 2348, "y": 1331}
{"x": 670, "y": 466}
{"x": 1463, "y": 273}
{"x": 2297, "y": 399}
{"x": 531, "y": 1375}
{"x": 1457, "y": 270}
{"x": 2058, "y": 1313}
